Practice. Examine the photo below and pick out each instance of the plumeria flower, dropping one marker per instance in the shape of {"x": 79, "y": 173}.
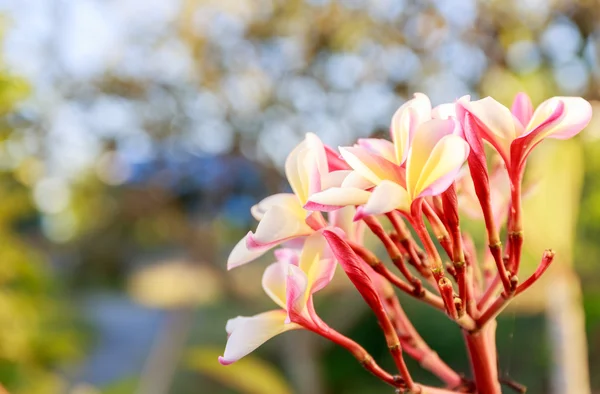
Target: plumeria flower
{"x": 435, "y": 157}
{"x": 515, "y": 132}
{"x": 374, "y": 159}
{"x": 290, "y": 283}
{"x": 309, "y": 168}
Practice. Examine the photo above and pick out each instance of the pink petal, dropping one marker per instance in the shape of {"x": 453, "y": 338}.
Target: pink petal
{"x": 379, "y": 147}
{"x": 522, "y": 146}
{"x": 493, "y": 122}
{"x": 335, "y": 161}
{"x": 353, "y": 267}
{"x": 287, "y": 255}
{"x": 297, "y": 293}
{"x": 522, "y": 108}
{"x": 576, "y": 115}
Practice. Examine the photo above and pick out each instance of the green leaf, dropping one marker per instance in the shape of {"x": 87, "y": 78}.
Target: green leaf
{"x": 250, "y": 375}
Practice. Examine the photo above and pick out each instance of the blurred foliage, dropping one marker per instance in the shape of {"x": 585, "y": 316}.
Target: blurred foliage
{"x": 37, "y": 334}
{"x": 249, "y": 376}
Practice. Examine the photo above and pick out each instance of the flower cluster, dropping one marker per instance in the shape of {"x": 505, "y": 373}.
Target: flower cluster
{"x": 416, "y": 177}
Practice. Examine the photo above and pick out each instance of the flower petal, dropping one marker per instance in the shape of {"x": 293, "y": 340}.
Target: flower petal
{"x": 576, "y": 115}
{"x": 284, "y": 199}
{"x": 404, "y": 123}
{"x": 354, "y": 268}
{"x": 355, "y": 180}
{"x": 443, "y": 166}
{"x": 318, "y": 269}
{"x": 522, "y": 108}
{"x": 248, "y": 333}
{"x": 297, "y": 292}
{"x": 305, "y": 166}
{"x": 337, "y": 197}
{"x": 241, "y": 254}
{"x": 274, "y": 282}
{"x": 334, "y": 160}
{"x": 444, "y": 111}
{"x": 277, "y": 225}
{"x": 494, "y": 122}
{"x": 371, "y": 166}
{"x": 386, "y": 197}
{"x": 380, "y": 147}
{"x": 287, "y": 255}
{"x": 335, "y": 178}
{"x": 426, "y": 138}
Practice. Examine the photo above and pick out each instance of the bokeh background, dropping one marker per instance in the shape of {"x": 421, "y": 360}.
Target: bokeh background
{"x": 136, "y": 134}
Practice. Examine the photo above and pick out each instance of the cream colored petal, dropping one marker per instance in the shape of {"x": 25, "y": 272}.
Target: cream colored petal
{"x": 274, "y": 282}
{"x": 403, "y": 127}
{"x": 241, "y": 254}
{"x": 335, "y": 178}
{"x": 282, "y": 199}
{"x": 280, "y": 223}
{"x": 444, "y": 111}
{"x": 337, "y": 197}
{"x": 248, "y": 333}
{"x": 380, "y": 147}
{"x": 386, "y": 197}
{"x": 355, "y": 180}
{"x": 370, "y": 166}
{"x": 426, "y": 138}
{"x": 442, "y": 166}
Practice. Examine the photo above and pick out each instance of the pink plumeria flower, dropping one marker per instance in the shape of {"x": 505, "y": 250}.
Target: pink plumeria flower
{"x": 290, "y": 283}
{"x": 282, "y": 216}
{"x": 374, "y": 160}
{"x": 435, "y": 157}
{"x": 515, "y": 132}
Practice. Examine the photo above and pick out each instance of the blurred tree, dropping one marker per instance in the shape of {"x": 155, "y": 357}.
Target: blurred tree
{"x": 37, "y": 332}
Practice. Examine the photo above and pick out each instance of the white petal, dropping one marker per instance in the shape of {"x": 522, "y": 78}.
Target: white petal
{"x": 241, "y": 255}
{"x": 337, "y": 197}
{"x": 274, "y": 282}
{"x": 280, "y": 224}
{"x": 285, "y": 199}
{"x": 386, "y": 197}
{"x": 248, "y": 333}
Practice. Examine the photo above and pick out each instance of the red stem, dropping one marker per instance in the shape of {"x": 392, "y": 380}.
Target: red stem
{"x": 392, "y": 250}
{"x": 424, "y": 294}
{"x": 483, "y": 362}
{"x": 417, "y": 348}
{"x": 547, "y": 259}
{"x": 357, "y": 351}
{"x": 502, "y": 301}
